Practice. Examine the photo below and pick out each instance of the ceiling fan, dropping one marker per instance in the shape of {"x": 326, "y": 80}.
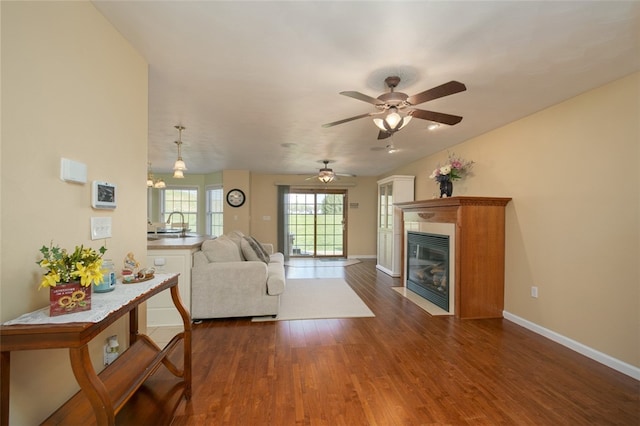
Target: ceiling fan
{"x": 326, "y": 175}
{"x": 391, "y": 102}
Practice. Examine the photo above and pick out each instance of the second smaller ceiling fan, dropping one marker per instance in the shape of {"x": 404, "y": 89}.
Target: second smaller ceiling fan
{"x": 326, "y": 174}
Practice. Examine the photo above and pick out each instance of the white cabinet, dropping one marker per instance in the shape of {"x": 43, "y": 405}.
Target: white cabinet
{"x": 160, "y": 308}
{"x": 393, "y": 189}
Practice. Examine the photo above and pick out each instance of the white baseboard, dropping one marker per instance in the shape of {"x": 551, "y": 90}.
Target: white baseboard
{"x": 598, "y": 356}
{"x": 362, "y": 256}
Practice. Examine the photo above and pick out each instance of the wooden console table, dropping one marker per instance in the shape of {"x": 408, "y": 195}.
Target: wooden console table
{"x": 479, "y": 248}
{"x": 103, "y": 397}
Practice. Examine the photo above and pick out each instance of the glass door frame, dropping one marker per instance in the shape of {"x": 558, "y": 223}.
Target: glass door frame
{"x": 315, "y": 192}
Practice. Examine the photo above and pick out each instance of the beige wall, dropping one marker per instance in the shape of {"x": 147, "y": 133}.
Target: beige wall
{"x": 237, "y": 218}
{"x": 71, "y": 87}
{"x": 573, "y": 224}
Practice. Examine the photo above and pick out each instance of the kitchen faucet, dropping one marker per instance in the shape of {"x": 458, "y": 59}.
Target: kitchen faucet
{"x": 183, "y": 225}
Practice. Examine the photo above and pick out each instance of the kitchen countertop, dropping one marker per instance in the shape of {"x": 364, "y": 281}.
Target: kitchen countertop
{"x": 176, "y": 243}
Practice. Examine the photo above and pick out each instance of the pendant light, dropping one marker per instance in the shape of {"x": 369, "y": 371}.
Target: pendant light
{"x": 179, "y": 166}
{"x": 149, "y": 176}
{"x": 152, "y": 182}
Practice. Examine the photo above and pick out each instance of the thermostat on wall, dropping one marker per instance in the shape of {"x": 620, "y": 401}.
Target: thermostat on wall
{"x": 103, "y": 195}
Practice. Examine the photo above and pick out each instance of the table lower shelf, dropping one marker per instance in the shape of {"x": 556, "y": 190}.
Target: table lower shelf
{"x": 141, "y": 388}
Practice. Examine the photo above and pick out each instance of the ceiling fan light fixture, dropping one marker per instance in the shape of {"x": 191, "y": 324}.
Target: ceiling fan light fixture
{"x": 325, "y": 174}
{"x": 405, "y": 120}
{"x": 393, "y": 119}
{"x": 392, "y": 122}
{"x": 380, "y": 123}
{"x": 326, "y": 177}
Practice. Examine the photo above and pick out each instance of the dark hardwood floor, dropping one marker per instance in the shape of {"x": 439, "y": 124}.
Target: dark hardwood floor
{"x": 403, "y": 367}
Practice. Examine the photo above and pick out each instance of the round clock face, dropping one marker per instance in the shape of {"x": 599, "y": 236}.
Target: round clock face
{"x": 235, "y": 198}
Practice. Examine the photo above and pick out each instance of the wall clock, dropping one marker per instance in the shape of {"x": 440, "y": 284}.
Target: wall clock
{"x": 235, "y": 197}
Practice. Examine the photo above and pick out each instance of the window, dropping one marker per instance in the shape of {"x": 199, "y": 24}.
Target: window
{"x": 183, "y": 200}
{"x": 214, "y": 211}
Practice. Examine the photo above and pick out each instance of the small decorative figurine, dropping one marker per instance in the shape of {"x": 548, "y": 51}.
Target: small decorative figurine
{"x": 130, "y": 263}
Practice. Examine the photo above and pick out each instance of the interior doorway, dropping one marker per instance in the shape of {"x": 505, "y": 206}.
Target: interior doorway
{"x": 316, "y": 222}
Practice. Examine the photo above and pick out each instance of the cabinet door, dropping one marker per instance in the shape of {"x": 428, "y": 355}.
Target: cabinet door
{"x": 160, "y": 308}
{"x": 385, "y": 206}
{"x": 382, "y": 197}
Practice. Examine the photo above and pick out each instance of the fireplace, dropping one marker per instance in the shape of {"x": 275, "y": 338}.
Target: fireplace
{"x": 428, "y": 267}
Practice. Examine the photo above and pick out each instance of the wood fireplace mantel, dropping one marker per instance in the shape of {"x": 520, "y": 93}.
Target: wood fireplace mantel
{"x": 479, "y": 248}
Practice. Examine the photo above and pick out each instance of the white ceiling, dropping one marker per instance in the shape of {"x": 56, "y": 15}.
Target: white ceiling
{"x": 253, "y": 82}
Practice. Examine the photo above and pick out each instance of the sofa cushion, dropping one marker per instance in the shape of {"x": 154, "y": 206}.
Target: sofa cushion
{"x": 222, "y": 249}
{"x": 236, "y": 237}
{"x": 252, "y": 251}
{"x": 261, "y": 247}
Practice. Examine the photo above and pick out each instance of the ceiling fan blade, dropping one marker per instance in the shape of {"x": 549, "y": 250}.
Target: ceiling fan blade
{"x": 346, "y": 120}
{"x": 383, "y": 135}
{"x": 445, "y": 89}
{"x": 438, "y": 117}
{"x": 362, "y": 97}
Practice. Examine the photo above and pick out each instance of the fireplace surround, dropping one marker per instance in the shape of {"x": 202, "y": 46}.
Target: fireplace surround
{"x": 477, "y": 234}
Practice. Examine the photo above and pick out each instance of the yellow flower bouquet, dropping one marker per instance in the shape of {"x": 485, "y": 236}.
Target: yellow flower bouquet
{"x": 83, "y": 264}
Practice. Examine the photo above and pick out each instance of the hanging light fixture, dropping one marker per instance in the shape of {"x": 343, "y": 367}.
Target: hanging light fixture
{"x": 179, "y": 166}
{"x": 152, "y": 182}
{"x": 149, "y": 176}
{"x": 392, "y": 122}
{"x": 326, "y": 175}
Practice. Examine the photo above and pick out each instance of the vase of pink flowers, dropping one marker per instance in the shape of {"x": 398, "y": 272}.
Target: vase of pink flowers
{"x": 456, "y": 168}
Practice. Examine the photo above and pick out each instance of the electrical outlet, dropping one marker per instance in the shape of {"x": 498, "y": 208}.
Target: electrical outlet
{"x": 100, "y": 228}
{"x": 534, "y": 292}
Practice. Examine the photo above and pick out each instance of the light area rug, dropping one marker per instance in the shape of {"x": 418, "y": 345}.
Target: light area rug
{"x": 319, "y": 299}
{"x": 319, "y": 263}
{"x": 422, "y": 302}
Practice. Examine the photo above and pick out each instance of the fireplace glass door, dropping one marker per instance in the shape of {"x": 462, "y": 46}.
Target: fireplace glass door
{"x": 428, "y": 267}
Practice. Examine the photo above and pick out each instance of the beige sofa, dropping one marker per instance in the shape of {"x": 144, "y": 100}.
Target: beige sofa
{"x": 234, "y": 277}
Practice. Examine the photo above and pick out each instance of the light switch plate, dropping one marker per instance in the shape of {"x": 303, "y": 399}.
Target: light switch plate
{"x": 100, "y": 228}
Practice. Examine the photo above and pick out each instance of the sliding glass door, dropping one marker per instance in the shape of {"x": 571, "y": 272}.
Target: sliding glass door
{"x": 316, "y": 223}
